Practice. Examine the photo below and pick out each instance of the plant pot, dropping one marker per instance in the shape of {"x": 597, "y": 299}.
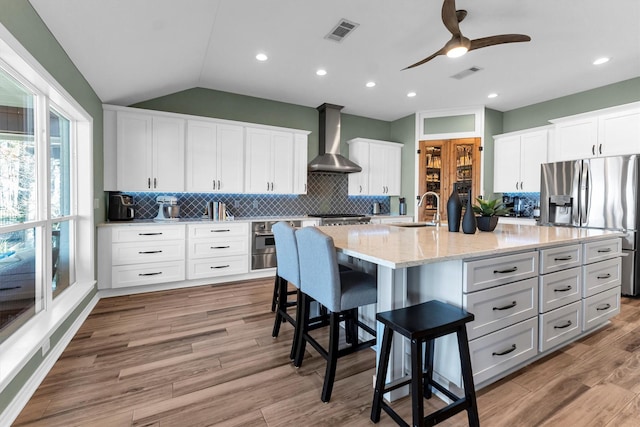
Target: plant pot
{"x": 487, "y": 223}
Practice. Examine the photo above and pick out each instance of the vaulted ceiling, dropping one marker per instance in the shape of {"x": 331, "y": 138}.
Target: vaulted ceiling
{"x": 131, "y": 51}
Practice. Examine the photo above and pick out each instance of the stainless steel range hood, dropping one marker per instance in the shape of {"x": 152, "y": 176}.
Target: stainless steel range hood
{"x": 329, "y": 159}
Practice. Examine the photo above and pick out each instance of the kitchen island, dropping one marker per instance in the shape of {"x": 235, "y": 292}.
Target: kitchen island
{"x": 532, "y": 289}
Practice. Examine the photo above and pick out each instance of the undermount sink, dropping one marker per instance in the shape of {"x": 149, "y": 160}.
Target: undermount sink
{"x": 413, "y": 224}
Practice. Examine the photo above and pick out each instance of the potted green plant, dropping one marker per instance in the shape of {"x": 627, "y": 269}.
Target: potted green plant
{"x": 487, "y": 212}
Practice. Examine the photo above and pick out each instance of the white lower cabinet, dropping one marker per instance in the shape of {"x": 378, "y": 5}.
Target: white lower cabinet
{"x": 560, "y": 325}
{"x": 217, "y": 249}
{"x": 500, "y": 351}
{"x": 143, "y": 255}
{"x": 560, "y": 288}
{"x": 600, "y": 307}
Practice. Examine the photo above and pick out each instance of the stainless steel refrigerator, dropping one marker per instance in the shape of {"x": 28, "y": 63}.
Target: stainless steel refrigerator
{"x": 597, "y": 193}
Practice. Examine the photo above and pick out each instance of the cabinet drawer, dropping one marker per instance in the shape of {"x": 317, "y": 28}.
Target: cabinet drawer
{"x": 134, "y": 253}
{"x": 601, "y": 276}
{"x": 560, "y": 288}
{"x": 601, "y": 250}
{"x": 598, "y": 308}
{"x": 561, "y": 258}
{"x": 497, "y": 352}
{"x": 147, "y": 233}
{"x": 499, "y": 307}
{"x": 486, "y": 273}
{"x": 219, "y": 229}
{"x": 560, "y": 325}
{"x": 124, "y": 276}
{"x": 216, "y": 267}
{"x": 207, "y": 248}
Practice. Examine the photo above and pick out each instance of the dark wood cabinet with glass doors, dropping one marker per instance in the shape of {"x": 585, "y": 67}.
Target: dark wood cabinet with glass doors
{"x": 443, "y": 163}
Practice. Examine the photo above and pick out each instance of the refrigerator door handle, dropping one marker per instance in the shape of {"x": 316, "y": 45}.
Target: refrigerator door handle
{"x": 584, "y": 193}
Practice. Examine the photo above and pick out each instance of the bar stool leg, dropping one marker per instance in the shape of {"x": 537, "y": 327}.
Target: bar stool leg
{"x": 428, "y": 368}
{"x": 302, "y": 329}
{"x": 276, "y": 288}
{"x": 298, "y": 324}
{"x": 281, "y": 286}
{"x": 416, "y": 383}
{"x": 383, "y": 364}
{"x": 467, "y": 377}
{"x": 332, "y": 356}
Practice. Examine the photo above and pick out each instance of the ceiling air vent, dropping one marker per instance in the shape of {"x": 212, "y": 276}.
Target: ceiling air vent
{"x": 341, "y": 30}
{"x": 466, "y": 73}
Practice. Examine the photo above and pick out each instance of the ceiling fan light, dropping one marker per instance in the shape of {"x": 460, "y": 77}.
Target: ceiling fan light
{"x": 457, "y": 52}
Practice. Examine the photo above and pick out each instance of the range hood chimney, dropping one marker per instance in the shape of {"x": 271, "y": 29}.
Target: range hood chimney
{"x": 329, "y": 158}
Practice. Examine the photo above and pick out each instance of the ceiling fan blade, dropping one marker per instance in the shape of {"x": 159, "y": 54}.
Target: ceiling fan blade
{"x": 449, "y": 17}
{"x": 427, "y": 59}
{"x": 501, "y": 39}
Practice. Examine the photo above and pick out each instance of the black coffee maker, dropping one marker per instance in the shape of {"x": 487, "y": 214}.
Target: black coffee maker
{"x": 121, "y": 207}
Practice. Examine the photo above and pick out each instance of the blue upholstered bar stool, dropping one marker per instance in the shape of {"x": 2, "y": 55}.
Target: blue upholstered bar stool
{"x": 287, "y": 270}
{"x": 341, "y": 294}
{"x": 422, "y": 324}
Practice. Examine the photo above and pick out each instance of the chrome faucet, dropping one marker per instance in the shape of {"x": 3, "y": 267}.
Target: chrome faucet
{"x": 436, "y": 216}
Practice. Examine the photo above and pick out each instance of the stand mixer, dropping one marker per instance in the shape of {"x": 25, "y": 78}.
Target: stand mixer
{"x": 168, "y": 209}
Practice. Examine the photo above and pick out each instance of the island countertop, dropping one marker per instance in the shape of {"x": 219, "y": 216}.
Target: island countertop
{"x": 401, "y": 247}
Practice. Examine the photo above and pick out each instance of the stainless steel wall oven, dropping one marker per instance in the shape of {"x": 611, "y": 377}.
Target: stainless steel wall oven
{"x": 263, "y": 244}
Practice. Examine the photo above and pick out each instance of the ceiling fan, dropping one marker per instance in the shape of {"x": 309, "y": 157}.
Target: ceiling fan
{"x": 459, "y": 44}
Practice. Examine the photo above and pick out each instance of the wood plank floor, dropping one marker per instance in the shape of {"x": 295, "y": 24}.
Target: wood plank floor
{"x": 204, "y": 356}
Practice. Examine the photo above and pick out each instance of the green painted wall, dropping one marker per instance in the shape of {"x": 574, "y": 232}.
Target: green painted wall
{"x": 492, "y": 126}
{"x": 26, "y": 26}
{"x": 231, "y": 106}
{"x": 404, "y": 130}
{"x": 449, "y": 124}
{"x": 539, "y": 114}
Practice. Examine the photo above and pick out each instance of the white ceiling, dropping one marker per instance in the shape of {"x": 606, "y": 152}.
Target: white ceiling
{"x": 131, "y": 51}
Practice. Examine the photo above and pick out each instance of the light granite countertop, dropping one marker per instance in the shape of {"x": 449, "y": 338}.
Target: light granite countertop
{"x": 400, "y": 247}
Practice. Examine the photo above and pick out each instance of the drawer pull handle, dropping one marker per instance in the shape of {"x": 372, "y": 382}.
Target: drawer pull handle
{"x": 563, "y": 258}
{"x": 506, "y": 307}
{"x": 149, "y": 252}
{"x": 149, "y": 234}
{"x": 221, "y": 266}
{"x": 604, "y": 307}
{"x": 220, "y": 231}
{"x": 503, "y": 352}
{"x": 149, "y": 274}
{"x": 220, "y": 247}
{"x": 604, "y": 276}
{"x": 508, "y": 270}
{"x": 566, "y": 325}
{"x": 568, "y": 288}
{"x": 604, "y": 251}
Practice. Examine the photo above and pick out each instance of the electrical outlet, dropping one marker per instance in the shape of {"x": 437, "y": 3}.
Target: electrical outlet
{"x": 96, "y": 203}
{"x": 46, "y": 345}
{"x": 236, "y": 203}
{"x": 255, "y": 204}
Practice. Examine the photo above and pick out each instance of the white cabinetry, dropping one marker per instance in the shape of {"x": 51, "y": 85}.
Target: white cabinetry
{"x": 502, "y": 292}
{"x": 215, "y": 157}
{"x": 381, "y": 167}
{"x": 269, "y": 161}
{"x": 141, "y": 255}
{"x": 150, "y": 152}
{"x": 300, "y": 161}
{"x": 216, "y": 250}
{"x": 609, "y": 132}
{"x": 517, "y": 160}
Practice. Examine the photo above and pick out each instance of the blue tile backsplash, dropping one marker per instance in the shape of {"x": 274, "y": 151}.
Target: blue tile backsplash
{"x": 327, "y": 193}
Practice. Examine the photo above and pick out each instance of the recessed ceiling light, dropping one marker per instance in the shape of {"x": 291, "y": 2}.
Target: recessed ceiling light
{"x": 492, "y": 95}
{"x": 411, "y": 94}
{"x": 600, "y": 61}
{"x": 261, "y": 57}
{"x": 321, "y": 72}
{"x": 371, "y": 84}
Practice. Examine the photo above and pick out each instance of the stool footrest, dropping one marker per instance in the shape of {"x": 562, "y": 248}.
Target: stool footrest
{"x": 447, "y": 412}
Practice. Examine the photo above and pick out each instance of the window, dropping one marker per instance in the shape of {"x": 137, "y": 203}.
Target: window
{"x": 37, "y": 202}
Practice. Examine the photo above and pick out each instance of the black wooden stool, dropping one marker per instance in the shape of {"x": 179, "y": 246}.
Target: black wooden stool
{"x": 423, "y": 323}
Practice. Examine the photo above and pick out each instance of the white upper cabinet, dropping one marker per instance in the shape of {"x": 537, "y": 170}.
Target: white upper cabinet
{"x": 150, "y": 152}
{"x": 215, "y": 157}
{"x": 381, "y": 167}
{"x": 517, "y": 160}
{"x": 301, "y": 148}
{"x": 269, "y": 162}
{"x": 610, "y": 132}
